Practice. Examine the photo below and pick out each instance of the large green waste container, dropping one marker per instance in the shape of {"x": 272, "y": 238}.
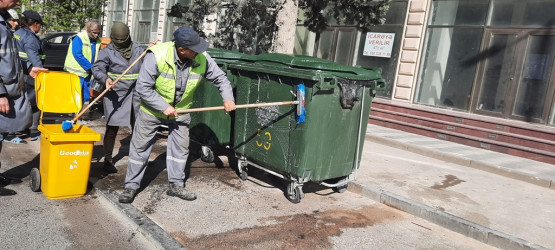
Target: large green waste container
{"x": 325, "y": 148}
{"x": 213, "y": 129}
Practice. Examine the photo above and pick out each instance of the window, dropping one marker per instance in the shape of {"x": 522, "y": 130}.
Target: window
{"x": 117, "y": 11}
{"x": 450, "y": 53}
{"x": 523, "y": 13}
{"x": 145, "y": 21}
{"x": 395, "y": 20}
{"x": 492, "y": 57}
{"x": 448, "y": 67}
{"x": 345, "y": 45}
{"x": 173, "y": 23}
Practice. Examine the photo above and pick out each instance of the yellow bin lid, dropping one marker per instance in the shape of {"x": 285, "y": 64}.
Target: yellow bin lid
{"x": 58, "y": 92}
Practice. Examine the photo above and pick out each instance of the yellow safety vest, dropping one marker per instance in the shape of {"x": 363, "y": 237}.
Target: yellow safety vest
{"x": 71, "y": 65}
{"x": 165, "y": 83}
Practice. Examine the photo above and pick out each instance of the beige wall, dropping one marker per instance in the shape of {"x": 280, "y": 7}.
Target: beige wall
{"x": 412, "y": 41}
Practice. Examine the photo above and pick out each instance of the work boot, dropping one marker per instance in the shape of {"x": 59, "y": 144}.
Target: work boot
{"x": 6, "y": 192}
{"x": 4, "y": 180}
{"x": 109, "y": 167}
{"x": 127, "y": 196}
{"x": 181, "y": 192}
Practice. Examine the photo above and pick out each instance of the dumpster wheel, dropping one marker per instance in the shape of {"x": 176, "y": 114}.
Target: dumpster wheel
{"x": 242, "y": 166}
{"x": 206, "y": 154}
{"x": 294, "y": 192}
{"x": 34, "y": 179}
{"x": 341, "y": 189}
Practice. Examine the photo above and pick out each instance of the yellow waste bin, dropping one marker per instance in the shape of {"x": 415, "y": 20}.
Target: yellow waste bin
{"x": 65, "y": 157}
{"x": 65, "y": 160}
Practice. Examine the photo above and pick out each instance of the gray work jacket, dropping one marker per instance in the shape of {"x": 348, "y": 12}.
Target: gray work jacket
{"x": 11, "y": 84}
{"x": 119, "y": 100}
{"x": 149, "y": 72}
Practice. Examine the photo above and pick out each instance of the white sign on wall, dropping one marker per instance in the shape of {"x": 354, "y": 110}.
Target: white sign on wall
{"x": 378, "y": 44}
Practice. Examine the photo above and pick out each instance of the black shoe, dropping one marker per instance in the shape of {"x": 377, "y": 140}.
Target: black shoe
{"x": 127, "y": 196}
{"x": 181, "y": 192}
{"x": 109, "y": 167}
{"x": 6, "y": 192}
{"x": 4, "y": 180}
{"x": 34, "y": 136}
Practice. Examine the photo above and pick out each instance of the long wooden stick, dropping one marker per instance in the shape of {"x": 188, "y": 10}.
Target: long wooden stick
{"x": 252, "y": 105}
{"x": 110, "y": 87}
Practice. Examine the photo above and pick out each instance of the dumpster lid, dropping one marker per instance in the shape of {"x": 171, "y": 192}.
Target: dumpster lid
{"x": 229, "y": 55}
{"x": 313, "y": 63}
{"x": 58, "y": 92}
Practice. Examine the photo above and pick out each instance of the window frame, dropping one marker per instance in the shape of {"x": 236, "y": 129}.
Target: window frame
{"x": 511, "y": 93}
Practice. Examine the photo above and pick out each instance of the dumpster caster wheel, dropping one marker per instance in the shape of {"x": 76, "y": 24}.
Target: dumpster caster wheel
{"x": 341, "y": 189}
{"x": 34, "y": 179}
{"x": 242, "y": 166}
{"x": 243, "y": 175}
{"x": 294, "y": 193}
{"x": 206, "y": 154}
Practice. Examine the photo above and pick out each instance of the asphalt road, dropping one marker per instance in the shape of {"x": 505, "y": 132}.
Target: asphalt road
{"x": 229, "y": 213}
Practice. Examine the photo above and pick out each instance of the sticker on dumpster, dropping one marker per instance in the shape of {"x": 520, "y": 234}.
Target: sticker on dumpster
{"x": 267, "y": 115}
{"x": 73, "y": 165}
{"x": 264, "y": 140}
{"x": 76, "y": 153}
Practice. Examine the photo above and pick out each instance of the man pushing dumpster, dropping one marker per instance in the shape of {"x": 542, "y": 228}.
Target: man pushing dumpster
{"x": 168, "y": 78}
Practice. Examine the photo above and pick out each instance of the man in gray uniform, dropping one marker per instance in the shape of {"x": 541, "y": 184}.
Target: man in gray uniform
{"x": 167, "y": 80}
{"x": 121, "y": 103}
{"x": 15, "y": 111}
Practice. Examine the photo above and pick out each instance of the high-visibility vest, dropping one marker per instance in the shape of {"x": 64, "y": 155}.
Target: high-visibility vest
{"x": 71, "y": 65}
{"x": 165, "y": 82}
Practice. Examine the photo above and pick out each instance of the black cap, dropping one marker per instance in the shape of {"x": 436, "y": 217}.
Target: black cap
{"x": 187, "y": 38}
{"x": 33, "y": 15}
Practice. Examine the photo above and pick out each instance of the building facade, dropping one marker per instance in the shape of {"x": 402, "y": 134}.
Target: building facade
{"x": 147, "y": 19}
{"x": 477, "y": 72}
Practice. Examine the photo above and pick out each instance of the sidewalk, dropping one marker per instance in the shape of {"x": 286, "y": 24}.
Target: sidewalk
{"x": 504, "y": 201}
{"x": 442, "y": 182}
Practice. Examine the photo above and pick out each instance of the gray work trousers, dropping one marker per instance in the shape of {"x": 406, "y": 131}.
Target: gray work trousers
{"x": 144, "y": 137}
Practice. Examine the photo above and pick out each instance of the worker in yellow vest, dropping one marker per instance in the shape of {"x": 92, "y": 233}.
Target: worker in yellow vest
{"x": 81, "y": 55}
{"x": 168, "y": 78}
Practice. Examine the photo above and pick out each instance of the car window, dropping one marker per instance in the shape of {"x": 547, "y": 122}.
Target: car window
{"x": 57, "y": 40}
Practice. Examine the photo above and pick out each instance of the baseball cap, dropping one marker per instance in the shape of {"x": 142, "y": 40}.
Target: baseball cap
{"x": 187, "y": 38}
{"x": 33, "y": 15}
{"x": 13, "y": 14}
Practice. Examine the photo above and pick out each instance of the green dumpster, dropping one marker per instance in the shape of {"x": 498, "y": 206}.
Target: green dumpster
{"x": 213, "y": 129}
{"x": 326, "y": 147}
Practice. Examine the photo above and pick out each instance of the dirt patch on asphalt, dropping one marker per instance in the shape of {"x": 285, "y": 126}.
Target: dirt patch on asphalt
{"x": 302, "y": 231}
{"x": 450, "y": 180}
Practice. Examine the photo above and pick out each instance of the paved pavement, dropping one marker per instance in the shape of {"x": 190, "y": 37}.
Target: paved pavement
{"x": 504, "y": 201}
{"x": 507, "y": 202}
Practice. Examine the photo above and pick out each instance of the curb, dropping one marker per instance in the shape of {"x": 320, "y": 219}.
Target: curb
{"x": 154, "y": 233}
{"x": 467, "y": 228}
{"x": 463, "y": 161}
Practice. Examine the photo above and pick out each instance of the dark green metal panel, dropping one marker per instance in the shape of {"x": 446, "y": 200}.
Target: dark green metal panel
{"x": 321, "y": 148}
{"x": 210, "y": 127}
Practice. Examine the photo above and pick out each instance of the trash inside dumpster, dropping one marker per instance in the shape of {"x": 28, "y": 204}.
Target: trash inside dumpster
{"x": 326, "y": 147}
